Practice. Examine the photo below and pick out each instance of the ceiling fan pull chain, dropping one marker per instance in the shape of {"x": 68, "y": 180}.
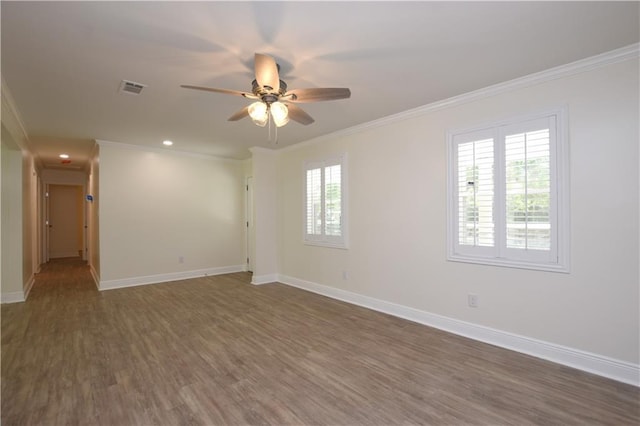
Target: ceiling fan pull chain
{"x": 276, "y": 135}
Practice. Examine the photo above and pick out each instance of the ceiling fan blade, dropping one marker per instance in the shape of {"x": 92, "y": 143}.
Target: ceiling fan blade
{"x": 225, "y": 91}
{"x": 267, "y": 72}
{"x": 244, "y": 112}
{"x": 297, "y": 114}
{"x": 317, "y": 94}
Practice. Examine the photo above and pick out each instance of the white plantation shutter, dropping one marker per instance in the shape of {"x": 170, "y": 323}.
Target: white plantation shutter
{"x": 475, "y": 193}
{"x": 314, "y": 202}
{"x": 507, "y": 194}
{"x": 528, "y": 190}
{"x": 332, "y": 200}
{"x": 529, "y": 204}
{"x": 325, "y": 203}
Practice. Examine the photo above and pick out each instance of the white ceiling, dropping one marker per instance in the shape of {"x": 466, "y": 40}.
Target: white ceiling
{"x": 63, "y": 62}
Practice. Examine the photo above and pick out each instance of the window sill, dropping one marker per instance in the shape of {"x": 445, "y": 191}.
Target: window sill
{"x": 506, "y": 263}
{"x": 325, "y": 244}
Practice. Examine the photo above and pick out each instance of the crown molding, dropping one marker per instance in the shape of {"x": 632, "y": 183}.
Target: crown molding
{"x": 14, "y": 124}
{"x": 92, "y": 154}
{"x": 622, "y": 54}
{"x": 260, "y": 149}
{"x": 168, "y": 151}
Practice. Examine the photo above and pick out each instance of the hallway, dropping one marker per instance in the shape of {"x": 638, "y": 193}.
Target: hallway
{"x": 61, "y": 279}
{"x": 63, "y": 296}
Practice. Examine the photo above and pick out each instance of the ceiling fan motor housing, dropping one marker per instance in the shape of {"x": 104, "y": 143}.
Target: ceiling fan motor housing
{"x": 266, "y": 93}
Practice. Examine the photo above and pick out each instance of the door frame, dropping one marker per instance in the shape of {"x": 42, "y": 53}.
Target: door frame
{"x": 45, "y": 224}
{"x": 46, "y": 218}
{"x": 250, "y": 228}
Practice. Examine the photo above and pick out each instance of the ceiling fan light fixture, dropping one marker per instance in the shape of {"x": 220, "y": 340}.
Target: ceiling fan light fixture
{"x": 258, "y": 113}
{"x": 280, "y": 113}
{"x": 271, "y": 93}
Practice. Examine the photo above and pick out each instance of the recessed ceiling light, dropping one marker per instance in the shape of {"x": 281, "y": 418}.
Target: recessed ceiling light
{"x": 167, "y": 143}
{"x": 64, "y": 155}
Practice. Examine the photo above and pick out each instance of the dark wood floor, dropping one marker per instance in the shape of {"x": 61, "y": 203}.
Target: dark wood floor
{"x": 217, "y": 350}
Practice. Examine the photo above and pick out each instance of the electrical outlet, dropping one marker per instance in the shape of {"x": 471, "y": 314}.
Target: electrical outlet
{"x": 345, "y": 275}
{"x": 472, "y": 299}
{"x": 181, "y": 259}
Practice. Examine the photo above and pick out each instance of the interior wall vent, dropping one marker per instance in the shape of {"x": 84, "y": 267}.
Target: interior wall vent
{"x": 131, "y": 87}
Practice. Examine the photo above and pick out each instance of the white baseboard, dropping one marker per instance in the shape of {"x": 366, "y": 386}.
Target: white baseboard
{"x": 162, "y": 278}
{"x": 13, "y": 297}
{"x": 19, "y": 296}
{"x": 264, "y": 279}
{"x": 621, "y": 371}
{"x": 94, "y": 275}
{"x": 29, "y": 286}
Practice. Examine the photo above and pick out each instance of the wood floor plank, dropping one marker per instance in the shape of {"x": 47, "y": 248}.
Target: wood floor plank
{"x": 217, "y": 350}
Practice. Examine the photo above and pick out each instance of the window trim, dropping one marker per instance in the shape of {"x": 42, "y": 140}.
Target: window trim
{"x": 324, "y": 240}
{"x": 559, "y": 159}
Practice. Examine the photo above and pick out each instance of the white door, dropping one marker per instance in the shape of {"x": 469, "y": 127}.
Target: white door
{"x": 45, "y": 228}
{"x": 65, "y": 222}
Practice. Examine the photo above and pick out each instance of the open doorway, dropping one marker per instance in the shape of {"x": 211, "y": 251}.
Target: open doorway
{"x": 64, "y": 236}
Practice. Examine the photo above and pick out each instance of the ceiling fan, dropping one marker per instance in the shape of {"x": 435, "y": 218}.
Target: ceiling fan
{"x": 273, "y": 100}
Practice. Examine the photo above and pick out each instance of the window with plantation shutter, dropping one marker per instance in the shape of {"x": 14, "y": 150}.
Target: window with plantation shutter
{"x": 314, "y": 200}
{"x": 325, "y": 219}
{"x": 475, "y": 193}
{"x": 508, "y": 193}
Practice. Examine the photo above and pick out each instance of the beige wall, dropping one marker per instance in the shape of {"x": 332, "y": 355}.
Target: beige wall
{"x": 2, "y": 206}
{"x": 397, "y": 220}
{"x": 64, "y": 177}
{"x": 11, "y": 218}
{"x": 20, "y": 251}
{"x": 158, "y": 206}
{"x": 20, "y": 237}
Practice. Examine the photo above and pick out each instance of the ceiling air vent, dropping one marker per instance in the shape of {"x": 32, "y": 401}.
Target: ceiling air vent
{"x": 131, "y": 87}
